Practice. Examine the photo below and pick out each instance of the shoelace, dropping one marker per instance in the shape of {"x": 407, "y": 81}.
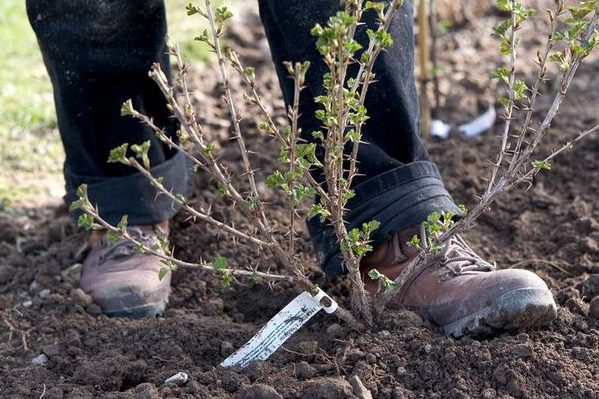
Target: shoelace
{"x": 466, "y": 261}
{"x": 122, "y": 248}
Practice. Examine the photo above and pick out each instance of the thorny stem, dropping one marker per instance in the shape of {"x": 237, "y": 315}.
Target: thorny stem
{"x": 256, "y": 99}
{"x": 158, "y": 76}
{"x": 365, "y": 77}
{"x": 183, "y": 69}
{"x": 564, "y": 86}
{"x": 235, "y": 118}
{"x": 124, "y": 234}
{"x": 200, "y": 214}
{"x": 294, "y": 116}
{"x": 298, "y": 277}
{"x": 510, "y": 108}
{"x": 513, "y": 176}
{"x": 272, "y": 127}
{"x": 335, "y": 141}
{"x": 334, "y": 171}
{"x": 159, "y": 132}
{"x": 271, "y": 241}
{"x": 568, "y": 146}
{"x": 535, "y": 90}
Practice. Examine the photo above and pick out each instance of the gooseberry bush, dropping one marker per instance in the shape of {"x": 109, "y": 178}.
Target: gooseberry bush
{"x": 571, "y": 37}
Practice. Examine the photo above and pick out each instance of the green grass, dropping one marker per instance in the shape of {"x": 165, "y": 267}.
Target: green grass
{"x": 30, "y": 150}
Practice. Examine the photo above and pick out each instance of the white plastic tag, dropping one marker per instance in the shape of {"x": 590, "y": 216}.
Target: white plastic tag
{"x": 278, "y": 329}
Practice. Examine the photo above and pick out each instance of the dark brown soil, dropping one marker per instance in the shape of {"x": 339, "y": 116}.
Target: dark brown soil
{"x": 553, "y": 230}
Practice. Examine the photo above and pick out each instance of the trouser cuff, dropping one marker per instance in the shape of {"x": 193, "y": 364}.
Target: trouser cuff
{"x": 133, "y": 195}
{"x": 399, "y": 198}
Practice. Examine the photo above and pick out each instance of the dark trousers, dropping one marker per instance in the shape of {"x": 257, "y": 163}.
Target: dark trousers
{"x": 98, "y": 55}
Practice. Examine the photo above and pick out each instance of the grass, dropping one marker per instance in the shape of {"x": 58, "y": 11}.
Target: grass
{"x": 31, "y": 153}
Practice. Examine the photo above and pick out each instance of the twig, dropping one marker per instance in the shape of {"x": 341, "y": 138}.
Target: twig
{"x": 516, "y": 173}
{"x": 200, "y": 214}
{"x": 568, "y": 146}
{"x": 294, "y": 117}
{"x": 162, "y": 255}
{"x": 511, "y": 93}
{"x": 43, "y": 392}
{"x": 235, "y": 118}
{"x": 12, "y": 329}
{"x": 541, "y": 261}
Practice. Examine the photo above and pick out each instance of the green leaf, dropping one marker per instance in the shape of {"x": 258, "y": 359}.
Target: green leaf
{"x": 163, "y": 272}
{"x": 79, "y": 204}
{"x": 119, "y": 154}
{"x": 256, "y": 280}
{"x": 502, "y": 73}
{"x": 204, "y": 37}
{"x": 370, "y": 227}
{"x": 415, "y": 242}
{"x": 520, "y": 89}
{"x": 500, "y": 30}
{"x": 541, "y": 165}
{"x": 385, "y": 281}
{"x": 112, "y": 237}
{"x": 220, "y": 263}
{"x": 127, "y": 109}
{"x": 193, "y": 10}
{"x": 141, "y": 152}
{"x": 227, "y": 279}
{"x": 122, "y": 226}
{"x": 250, "y": 72}
{"x": 319, "y": 210}
{"x": 87, "y": 222}
{"x": 222, "y": 14}
{"x": 276, "y": 179}
{"x": 504, "y": 5}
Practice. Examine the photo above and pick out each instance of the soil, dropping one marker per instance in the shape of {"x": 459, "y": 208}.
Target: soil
{"x": 551, "y": 229}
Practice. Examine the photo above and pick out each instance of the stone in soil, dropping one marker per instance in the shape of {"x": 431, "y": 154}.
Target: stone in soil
{"x": 40, "y": 360}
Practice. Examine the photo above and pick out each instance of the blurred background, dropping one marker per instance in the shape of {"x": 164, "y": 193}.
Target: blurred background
{"x": 30, "y": 150}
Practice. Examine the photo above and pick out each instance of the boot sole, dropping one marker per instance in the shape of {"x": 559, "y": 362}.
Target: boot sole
{"x": 148, "y": 310}
{"x": 521, "y": 308}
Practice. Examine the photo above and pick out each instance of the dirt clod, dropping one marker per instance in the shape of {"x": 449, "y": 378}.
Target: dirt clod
{"x": 79, "y": 297}
{"x": 226, "y": 348}
{"x": 327, "y": 388}
{"x": 590, "y": 286}
{"x": 7, "y": 272}
{"x": 594, "y": 308}
{"x": 303, "y": 371}
{"x": 258, "y": 391}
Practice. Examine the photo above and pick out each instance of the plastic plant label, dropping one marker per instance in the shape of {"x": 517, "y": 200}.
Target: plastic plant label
{"x": 282, "y": 326}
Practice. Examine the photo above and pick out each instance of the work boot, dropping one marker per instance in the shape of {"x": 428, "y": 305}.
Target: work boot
{"x": 122, "y": 281}
{"x": 462, "y": 293}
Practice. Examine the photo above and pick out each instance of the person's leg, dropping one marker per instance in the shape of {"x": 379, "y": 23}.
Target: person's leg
{"x": 98, "y": 54}
{"x": 398, "y": 186}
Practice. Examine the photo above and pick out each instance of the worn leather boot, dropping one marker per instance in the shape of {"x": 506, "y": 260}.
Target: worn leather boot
{"x": 464, "y": 294}
{"x": 123, "y": 282}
